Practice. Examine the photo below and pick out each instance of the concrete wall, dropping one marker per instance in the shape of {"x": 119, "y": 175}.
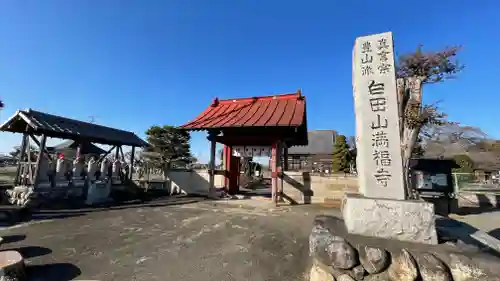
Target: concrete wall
{"x": 474, "y": 199}
{"x": 302, "y": 188}
{"x": 192, "y": 182}
{"x": 333, "y": 188}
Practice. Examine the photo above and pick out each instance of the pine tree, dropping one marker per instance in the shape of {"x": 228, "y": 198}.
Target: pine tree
{"x": 341, "y": 155}
{"x": 168, "y": 147}
{"x": 464, "y": 163}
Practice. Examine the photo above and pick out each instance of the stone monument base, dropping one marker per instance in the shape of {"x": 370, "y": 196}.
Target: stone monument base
{"x": 412, "y": 221}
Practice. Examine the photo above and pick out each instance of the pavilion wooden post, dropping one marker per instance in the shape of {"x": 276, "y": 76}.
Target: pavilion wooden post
{"x": 29, "y": 177}
{"x": 122, "y": 154}
{"x": 117, "y": 152}
{"x": 211, "y": 165}
{"x": 39, "y": 160}
{"x": 39, "y": 145}
{"x": 21, "y": 156}
{"x": 132, "y": 157}
{"x": 79, "y": 150}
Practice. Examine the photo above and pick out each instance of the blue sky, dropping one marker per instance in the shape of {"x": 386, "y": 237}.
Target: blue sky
{"x": 167, "y": 59}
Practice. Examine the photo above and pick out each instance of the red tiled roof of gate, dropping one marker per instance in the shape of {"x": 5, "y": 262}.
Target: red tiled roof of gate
{"x": 286, "y": 110}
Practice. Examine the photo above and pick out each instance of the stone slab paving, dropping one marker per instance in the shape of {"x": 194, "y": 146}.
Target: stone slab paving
{"x": 166, "y": 241}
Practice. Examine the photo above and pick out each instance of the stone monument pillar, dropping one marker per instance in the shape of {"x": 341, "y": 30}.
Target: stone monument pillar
{"x": 381, "y": 209}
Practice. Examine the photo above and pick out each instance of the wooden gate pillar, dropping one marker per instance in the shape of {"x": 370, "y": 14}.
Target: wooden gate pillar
{"x": 232, "y": 170}
{"x": 211, "y": 164}
{"x": 226, "y": 160}
{"x": 274, "y": 172}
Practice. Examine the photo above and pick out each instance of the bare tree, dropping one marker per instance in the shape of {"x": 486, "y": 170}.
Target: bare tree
{"x": 451, "y": 139}
{"x": 452, "y": 133}
{"x": 413, "y": 71}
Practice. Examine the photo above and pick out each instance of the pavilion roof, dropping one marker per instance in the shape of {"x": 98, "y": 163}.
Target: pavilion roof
{"x": 288, "y": 110}
{"x": 61, "y": 127}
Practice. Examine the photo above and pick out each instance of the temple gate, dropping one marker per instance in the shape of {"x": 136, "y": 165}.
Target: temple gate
{"x": 261, "y": 126}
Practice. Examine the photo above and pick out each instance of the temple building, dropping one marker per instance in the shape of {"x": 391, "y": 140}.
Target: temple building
{"x": 316, "y": 156}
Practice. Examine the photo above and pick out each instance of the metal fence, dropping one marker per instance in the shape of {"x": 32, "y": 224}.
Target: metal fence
{"x": 470, "y": 182}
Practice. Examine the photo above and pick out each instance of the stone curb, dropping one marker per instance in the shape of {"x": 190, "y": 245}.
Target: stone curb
{"x": 338, "y": 255}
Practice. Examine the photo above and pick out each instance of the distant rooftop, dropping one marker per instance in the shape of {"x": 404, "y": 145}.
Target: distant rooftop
{"x": 320, "y": 142}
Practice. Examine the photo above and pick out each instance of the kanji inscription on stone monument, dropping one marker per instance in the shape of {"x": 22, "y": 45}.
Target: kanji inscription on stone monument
{"x": 379, "y": 160}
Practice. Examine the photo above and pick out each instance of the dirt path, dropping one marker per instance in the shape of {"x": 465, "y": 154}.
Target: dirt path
{"x": 198, "y": 241}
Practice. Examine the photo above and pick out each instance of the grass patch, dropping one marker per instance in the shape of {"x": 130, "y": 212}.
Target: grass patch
{"x": 7, "y": 175}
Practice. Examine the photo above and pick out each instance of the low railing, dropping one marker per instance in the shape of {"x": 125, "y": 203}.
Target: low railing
{"x": 472, "y": 182}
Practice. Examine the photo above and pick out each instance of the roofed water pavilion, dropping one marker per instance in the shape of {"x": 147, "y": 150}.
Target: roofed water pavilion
{"x": 38, "y": 126}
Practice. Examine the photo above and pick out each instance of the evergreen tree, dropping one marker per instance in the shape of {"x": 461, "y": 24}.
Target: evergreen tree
{"x": 466, "y": 165}
{"x": 341, "y": 155}
{"x": 168, "y": 147}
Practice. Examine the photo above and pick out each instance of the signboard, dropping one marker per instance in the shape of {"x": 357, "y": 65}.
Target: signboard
{"x": 252, "y": 151}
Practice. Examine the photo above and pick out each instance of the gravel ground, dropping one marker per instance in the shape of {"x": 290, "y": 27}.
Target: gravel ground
{"x": 169, "y": 240}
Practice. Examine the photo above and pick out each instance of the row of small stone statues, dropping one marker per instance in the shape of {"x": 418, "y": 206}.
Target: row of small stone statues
{"x": 65, "y": 169}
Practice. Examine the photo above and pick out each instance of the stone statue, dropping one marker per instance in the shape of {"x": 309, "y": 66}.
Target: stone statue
{"x": 91, "y": 169}
{"x": 104, "y": 168}
{"x": 116, "y": 169}
{"x": 77, "y": 167}
{"x": 60, "y": 167}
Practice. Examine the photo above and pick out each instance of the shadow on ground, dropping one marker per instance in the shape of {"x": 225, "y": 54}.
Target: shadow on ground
{"x": 495, "y": 233}
{"x": 53, "y": 272}
{"x": 460, "y": 233}
{"x": 464, "y": 211}
{"x": 158, "y": 202}
{"x": 31, "y": 251}
{"x": 45, "y": 272}
{"x": 13, "y": 238}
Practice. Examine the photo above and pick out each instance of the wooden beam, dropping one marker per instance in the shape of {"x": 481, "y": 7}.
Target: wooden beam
{"x": 39, "y": 145}
{"x": 132, "y": 157}
{"x": 79, "y": 149}
{"x": 39, "y": 160}
{"x": 106, "y": 154}
{"x": 20, "y": 160}
{"x": 29, "y": 169}
{"x": 246, "y": 140}
{"x": 117, "y": 153}
{"x": 121, "y": 153}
